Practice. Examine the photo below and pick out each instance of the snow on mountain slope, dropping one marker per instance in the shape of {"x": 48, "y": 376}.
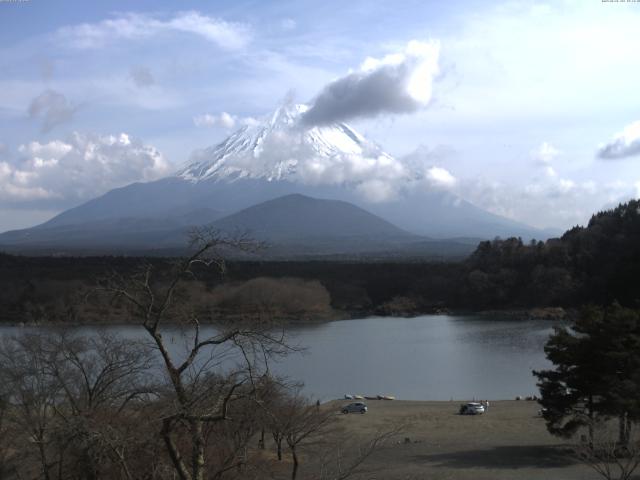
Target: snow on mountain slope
{"x": 280, "y": 148}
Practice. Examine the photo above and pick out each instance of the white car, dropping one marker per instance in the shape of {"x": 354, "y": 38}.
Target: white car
{"x": 356, "y": 407}
{"x": 471, "y": 408}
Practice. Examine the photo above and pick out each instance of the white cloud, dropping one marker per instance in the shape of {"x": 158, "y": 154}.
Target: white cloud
{"x": 377, "y": 191}
{"x": 224, "y": 120}
{"x": 132, "y": 26}
{"x": 565, "y": 185}
{"x": 397, "y": 83}
{"x": 548, "y": 201}
{"x": 590, "y": 187}
{"x": 425, "y": 165}
{"x": 545, "y": 154}
{"x": 424, "y": 155}
{"x": 78, "y": 168}
{"x": 206, "y": 120}
{"x": 623, "y": 144}
{"x": 439, "y": 177}
{"x": 52, "y": 108}
{"x": 375, "y": 175}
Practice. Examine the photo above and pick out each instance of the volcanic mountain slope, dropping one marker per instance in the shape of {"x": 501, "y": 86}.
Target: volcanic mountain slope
{"x": 299, "y": 225}
{"x": 256, "y": 163}
{"x": 297, "y": 217}
{"x": 292, "y": 226}
{"x": 274, "y": 158}
{"x": 282, "y": 156}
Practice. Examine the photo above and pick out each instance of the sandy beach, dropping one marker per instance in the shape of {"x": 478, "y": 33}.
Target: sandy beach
{"x": 509, "y": 441}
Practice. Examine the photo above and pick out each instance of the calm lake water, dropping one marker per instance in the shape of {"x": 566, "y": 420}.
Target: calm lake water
{"x": 433, "y": 357}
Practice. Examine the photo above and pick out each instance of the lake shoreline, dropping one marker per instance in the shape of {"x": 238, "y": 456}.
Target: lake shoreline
{"x": 425, "y": 401}
{"x": 536, "y": 313}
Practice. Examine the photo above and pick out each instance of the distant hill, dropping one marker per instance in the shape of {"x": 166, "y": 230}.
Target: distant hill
{"x": 293, "y": 226}
{"x": 109, "y": 235}
{"x": 297, "y": 225}
{"x": 296, "y": 217}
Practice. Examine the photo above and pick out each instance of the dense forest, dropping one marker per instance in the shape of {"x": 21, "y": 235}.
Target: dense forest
{"x": 595, "y": 264}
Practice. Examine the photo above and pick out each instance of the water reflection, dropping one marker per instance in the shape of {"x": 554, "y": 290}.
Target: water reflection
{"x": 435, "y": 357}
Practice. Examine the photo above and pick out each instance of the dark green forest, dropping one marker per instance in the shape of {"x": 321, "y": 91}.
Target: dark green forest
{"x": 595, "y": 264}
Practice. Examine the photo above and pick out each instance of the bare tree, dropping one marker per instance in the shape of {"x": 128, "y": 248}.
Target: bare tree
{"x": 308, "y": 427}
{"x": 71, "y": 403}
{"x": 271, "y": 403}
{"x": 198, "y": 398}
{"x": 32, "y": 399}
{"x": 99, "y": 377}
{"x": 335, "y": 464}
{"x": 608, "y": 455}
{"x": 302, "y": 421}
{"x": 232, "y": 439}
{"x": 6, "y": 454}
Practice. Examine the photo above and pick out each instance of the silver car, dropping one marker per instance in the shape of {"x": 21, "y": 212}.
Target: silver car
{"x": 356, "y": 407}
{"x": 471, "y": 408}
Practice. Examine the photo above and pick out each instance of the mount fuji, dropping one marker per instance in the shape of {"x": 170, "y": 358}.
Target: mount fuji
{"x": 280, "y": 148}
{"x": 278, "y": 157}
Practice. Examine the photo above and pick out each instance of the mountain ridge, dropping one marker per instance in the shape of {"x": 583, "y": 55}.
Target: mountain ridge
{"x": 249, "y": 168}
{"x": 294, "y": 226}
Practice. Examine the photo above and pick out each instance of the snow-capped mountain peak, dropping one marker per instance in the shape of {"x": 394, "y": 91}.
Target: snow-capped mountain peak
{"x": 280, "y": 147}
{"x": 287, "y": 115}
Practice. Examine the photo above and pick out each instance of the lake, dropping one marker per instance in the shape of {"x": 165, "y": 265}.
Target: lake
{"x": 432, "y": 357}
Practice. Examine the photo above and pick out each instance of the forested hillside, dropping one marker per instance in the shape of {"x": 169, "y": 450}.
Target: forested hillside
{"x": 596, "y": 264}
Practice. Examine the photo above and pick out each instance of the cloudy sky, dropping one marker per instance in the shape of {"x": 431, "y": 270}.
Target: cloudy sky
{"x": 528, "y": 109}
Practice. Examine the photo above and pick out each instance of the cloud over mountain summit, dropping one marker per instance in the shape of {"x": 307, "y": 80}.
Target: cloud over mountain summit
{"x": 397, "y": 83}
{"x": 283, "y": 147}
